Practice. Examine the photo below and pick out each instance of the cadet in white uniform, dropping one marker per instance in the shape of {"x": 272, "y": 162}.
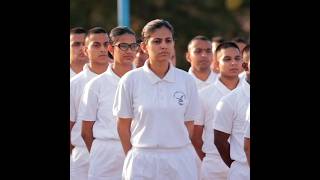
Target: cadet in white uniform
{"x": 247, "y": 136}
{"x": 96, "y": 50}
{"x": 229, "y": 64}
{"x": 99, "y": 125}
{"x": 199, "y": 55}
{"x": 77, "y": 56}
{"x": 230, "y": 121}
{"x": 156, "y": 106}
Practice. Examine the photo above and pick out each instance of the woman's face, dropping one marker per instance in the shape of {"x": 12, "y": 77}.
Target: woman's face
{"x": 124, "y": 49}
{"x": 160, "y": 45}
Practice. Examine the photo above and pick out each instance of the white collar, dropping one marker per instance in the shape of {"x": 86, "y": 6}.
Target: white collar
{"x": 246, "y": 88}
{"x": 170, "y": 76}
{"x": 210, "y": 78}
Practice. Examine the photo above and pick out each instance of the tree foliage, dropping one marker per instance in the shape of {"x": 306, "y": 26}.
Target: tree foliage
{"x": 227, "y": 18}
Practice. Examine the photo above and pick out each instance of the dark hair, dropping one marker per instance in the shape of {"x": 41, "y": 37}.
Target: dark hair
{"x": 199, "y": 37}
{"x": 151, "y": 26}
{"x": 239, "y": 40}
{"x": 118, "y": 31}
{"x": 247, "y": 51}
{"x": 225, "y": 45}
{"x": 217, "y": 39}
{"x": 139, "y": 40}
{"x": 78, "y": 30}
{"x": 97, "y": 30}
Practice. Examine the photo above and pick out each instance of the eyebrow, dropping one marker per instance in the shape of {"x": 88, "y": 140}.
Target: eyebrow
{"x": 97, "y": 42}
{"x": 163, "y": 38}
{"x": 202, "y": 48}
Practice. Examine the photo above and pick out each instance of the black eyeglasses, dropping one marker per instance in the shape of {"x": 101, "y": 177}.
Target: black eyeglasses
{"x": 126, "y": 46}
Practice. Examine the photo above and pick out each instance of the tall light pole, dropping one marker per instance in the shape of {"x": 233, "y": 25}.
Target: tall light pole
{"x": 124, "y": 13}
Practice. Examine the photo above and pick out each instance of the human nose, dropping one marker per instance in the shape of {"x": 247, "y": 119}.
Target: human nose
{"x": 203, "y": 53}
{"x": 163, "y": 45}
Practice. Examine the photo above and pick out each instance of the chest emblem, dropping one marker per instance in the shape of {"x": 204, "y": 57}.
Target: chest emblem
{"x": 180, "y": 97}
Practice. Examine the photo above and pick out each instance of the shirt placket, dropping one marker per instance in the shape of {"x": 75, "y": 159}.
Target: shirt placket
{"x": 161, "y": 91}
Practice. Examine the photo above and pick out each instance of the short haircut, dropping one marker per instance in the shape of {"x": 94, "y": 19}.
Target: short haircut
{"x": 153, "y": 25}
{"x": 225, "y": 45}
{"x": 199, "y": 37}
{"x": 78, "y": 30}
{"x": 95, "y": 30}
{"x": 118, "y": 31}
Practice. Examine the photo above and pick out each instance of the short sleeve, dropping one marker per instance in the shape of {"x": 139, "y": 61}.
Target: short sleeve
{"x": 73, "y": 111}
{"x": 122, "y": 106}
{"x": 223, "y": 116}
{"x": 193, "y": 109}
{"x": 88, "y": 106}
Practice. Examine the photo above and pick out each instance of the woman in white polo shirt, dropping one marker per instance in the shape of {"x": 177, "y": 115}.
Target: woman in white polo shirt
{"x": 156, "y": 106}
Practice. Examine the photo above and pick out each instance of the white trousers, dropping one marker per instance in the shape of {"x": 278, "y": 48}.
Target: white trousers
{"x": 239, "y": 171}
{"x": 79, "y": 163}
{"x": 106, "y": 160}
{"x": 213, "y": 167}
{"x": 162, "y": 164}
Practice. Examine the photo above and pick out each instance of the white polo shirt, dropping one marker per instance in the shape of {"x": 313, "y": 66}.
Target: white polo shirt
{"x": 72, "y": 73}
{"x": 230, "y": 117}
{"x": 209, "y": 97}
{"x": 77, "y": 84}
{"x": 202, "y": 84}
{"x": 247, "y": 132}
{"x": 158, "y": 107}
{"x": 96, "y": 105}
{"x": 243, "y": 77}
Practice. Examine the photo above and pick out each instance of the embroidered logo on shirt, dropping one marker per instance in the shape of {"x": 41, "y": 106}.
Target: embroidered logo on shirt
{"x": 180, "y": 96}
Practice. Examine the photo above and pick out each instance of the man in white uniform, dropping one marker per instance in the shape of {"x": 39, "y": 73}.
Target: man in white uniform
{"x": 99, "y": 129}
{"x": 230, "y": 121}
{"x": 229, "y": 64}
{"x": 96, "y": 50}
{"x": 199, "y": 55}
{"x": 77, "y": 56}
